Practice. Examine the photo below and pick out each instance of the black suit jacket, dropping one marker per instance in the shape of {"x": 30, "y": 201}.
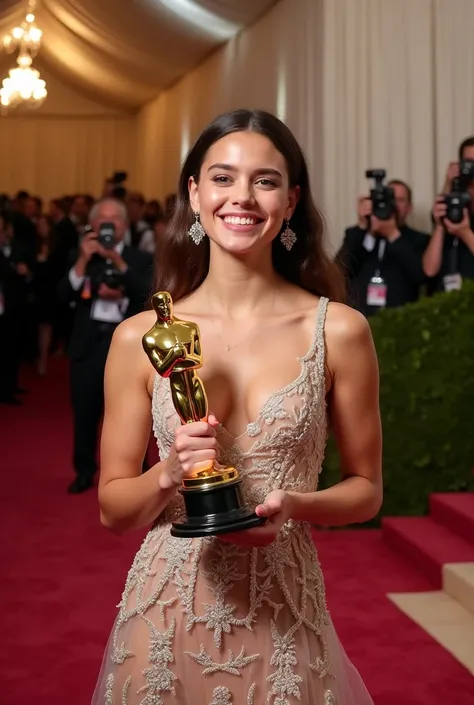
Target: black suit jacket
{"x": 15, "y": 287}
{"x": 65, "y": 239}
{"x": 25, "y": 235}
{"x": 456, "y": 259}
{"x": 137, "y": 283}
{"x": 401, "y": 267}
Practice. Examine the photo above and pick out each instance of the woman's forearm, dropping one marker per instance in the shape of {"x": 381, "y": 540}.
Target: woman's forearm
{"x": 127, "y": 504}
{"x": 352, "y": 501}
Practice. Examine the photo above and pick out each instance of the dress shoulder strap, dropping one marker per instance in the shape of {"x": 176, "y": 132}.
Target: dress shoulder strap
{"x": 317, "y": 353}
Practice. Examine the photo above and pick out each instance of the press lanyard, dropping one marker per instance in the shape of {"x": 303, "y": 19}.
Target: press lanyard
{"x": 377, "y": 289}
{"x": 453, "y": 257}
{"x": 380, "y": 256}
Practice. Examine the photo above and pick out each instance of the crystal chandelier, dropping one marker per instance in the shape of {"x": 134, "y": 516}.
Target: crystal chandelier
{"x": 26, "y": 36}
{"x": 23, "y": 86}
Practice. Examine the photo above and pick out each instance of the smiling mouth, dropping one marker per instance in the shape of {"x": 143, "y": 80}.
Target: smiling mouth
{"x": 241, "y": 220}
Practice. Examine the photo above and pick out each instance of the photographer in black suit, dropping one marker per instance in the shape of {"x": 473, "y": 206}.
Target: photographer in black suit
{"x": 382, "y": 256}
{"x": 450, "y": 255}
{"x": 109, "y": 282}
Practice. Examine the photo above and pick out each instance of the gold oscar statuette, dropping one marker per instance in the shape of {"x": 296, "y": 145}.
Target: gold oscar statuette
{"x": 212, "y": 494}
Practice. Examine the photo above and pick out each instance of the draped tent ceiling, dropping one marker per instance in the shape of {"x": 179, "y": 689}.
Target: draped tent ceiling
{"x": 124, "y": 52}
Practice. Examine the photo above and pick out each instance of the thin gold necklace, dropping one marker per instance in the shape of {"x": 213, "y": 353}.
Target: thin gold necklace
{"x": 228, "y": 346}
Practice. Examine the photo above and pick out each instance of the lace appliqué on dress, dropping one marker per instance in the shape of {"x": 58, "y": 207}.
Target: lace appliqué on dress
{"x": 272, "y": 598}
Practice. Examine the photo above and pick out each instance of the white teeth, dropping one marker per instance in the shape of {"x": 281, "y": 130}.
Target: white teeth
{"x": 235, "y": 220}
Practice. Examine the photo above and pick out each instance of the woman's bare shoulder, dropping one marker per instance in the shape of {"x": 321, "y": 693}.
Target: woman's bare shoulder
{"x": 131, "y": 331}
{"x": 126, "y": 358}
{"x": 127, "y": 340}
{"x": 347, "y": 333}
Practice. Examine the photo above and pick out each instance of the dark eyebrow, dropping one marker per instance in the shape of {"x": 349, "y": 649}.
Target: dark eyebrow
{"x": 267, "y": 171}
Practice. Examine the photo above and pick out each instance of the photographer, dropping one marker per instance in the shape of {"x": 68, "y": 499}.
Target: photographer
{"x": 109, "y": 281}
{"x": 450, "y": 254}
{"x": 382, "y": 255}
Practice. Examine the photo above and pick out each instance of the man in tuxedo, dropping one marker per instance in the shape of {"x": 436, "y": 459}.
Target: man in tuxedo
{"x": 109, "y": 281}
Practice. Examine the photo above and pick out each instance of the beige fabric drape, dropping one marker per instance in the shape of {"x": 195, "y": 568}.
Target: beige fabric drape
{"x": 398, "y": 94}
{"x": 454, "y": 78}
{"x": 126, "y": 51}
{"x": 52, "y": 157}
{"x": 274, "y": 65}
{"x": 378, "y": 101}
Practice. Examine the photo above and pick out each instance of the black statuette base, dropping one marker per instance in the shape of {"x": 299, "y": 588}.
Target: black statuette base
{"x": 213, "y": 511}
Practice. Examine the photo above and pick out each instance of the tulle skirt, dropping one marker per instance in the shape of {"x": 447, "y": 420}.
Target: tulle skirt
{"x": 205, "y": 623}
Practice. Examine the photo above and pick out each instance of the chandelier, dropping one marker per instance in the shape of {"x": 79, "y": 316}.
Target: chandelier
{"x": 23, "y": 86}
{"x": 26, "y": 36}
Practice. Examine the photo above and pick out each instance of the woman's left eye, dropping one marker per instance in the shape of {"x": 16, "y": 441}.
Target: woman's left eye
{"x": 266, "y": 182}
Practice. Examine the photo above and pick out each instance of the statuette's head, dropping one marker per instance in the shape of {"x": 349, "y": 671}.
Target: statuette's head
{"x": 163, "y": 305}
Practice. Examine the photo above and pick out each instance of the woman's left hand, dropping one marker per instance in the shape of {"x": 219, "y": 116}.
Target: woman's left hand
{"x": 276, "y": 509}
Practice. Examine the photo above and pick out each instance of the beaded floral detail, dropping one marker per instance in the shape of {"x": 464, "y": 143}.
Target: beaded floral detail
{"x": 256, "y": 618}
{"x": 221, "y": 696}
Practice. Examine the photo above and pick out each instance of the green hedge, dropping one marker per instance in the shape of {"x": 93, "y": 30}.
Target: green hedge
{"x": 426, "y": 358}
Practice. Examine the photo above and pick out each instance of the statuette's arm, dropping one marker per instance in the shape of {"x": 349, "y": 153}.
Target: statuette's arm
{"x": 164, "y": 364}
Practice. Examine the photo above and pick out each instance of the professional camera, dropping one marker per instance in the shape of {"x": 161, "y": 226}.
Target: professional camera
{"x": 457, "y": 200}
{"x": 106, "y": 235}
{"x": 119, "y": 177}
{"x": 110, "y": 274}
{"x": 382, "y": 197}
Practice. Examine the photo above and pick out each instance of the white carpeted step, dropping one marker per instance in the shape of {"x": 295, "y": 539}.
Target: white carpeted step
{"x": 458, "y": 583}
{"x": 445, "y": 619}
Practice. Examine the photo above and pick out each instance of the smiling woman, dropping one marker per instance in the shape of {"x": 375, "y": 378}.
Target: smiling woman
{"x": 277, "y": 167}
{"x": 241, "y": 618}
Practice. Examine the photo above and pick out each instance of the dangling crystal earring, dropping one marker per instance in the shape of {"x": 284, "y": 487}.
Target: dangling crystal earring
{"x": 288, "y": 236}
{"x": 196, "y": 231}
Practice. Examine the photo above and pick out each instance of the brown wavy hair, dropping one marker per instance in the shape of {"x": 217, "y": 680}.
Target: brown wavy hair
{"x": 182, "y": 266}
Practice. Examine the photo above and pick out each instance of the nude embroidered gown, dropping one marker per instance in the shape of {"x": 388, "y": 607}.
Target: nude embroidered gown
{"x": 202, "y": 622}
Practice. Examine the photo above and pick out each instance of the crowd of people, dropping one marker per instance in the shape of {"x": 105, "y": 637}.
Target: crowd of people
{"x": 72, "y": 271}
{"x": 36, "y": 242}
{"x": 63, "y": 292}
{"x": 389, "y": 264}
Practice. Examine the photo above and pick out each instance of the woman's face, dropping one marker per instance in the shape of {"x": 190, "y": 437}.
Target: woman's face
{"x": 243, "y": 195}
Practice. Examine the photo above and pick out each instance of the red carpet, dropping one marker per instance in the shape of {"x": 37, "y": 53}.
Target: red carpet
{"x": 446, "y": 536}
{"x": 63, "y": 575}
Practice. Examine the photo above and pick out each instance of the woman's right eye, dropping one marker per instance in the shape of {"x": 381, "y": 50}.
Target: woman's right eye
{"x": 221, "y": 179}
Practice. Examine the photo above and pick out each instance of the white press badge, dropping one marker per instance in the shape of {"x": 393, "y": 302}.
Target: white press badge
{"x": 106, "y": 311}
{"x": 377, "y": 289}
{"x": 452, "y": 282}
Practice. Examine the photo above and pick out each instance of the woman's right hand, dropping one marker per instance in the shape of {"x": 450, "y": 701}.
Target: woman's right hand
{"x": 195, "y": 445}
